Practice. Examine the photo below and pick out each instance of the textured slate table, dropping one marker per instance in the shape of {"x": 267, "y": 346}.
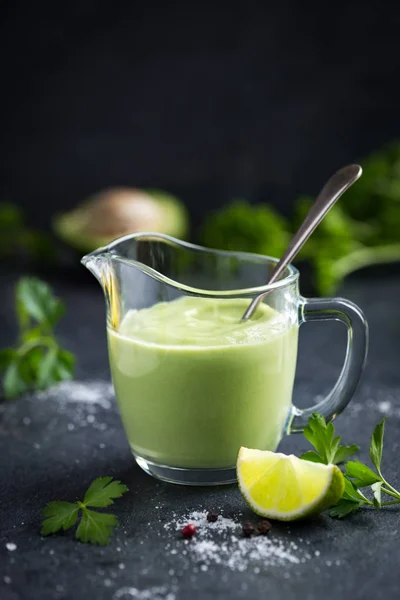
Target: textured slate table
{"x": 53, "y": 445}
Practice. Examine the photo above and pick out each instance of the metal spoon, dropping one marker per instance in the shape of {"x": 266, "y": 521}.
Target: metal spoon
{"x": 330, "y": 193}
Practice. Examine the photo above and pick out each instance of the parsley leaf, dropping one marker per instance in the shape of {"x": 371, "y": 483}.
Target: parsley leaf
{"x": 102, "y": 491}
{"x": 36, "y": 301}
{"x": 59, "y": 515}
{"x": 37, "y": 361}
{"x": 361, "y": 475}
{"x": 344, "y": 508}
{"x": 321, "y": 435}
{"x": 344, "y": 452}
{"x": 376, "y": 447}
{"x": 94, "y": 527}
{"x": 351, "y": 493}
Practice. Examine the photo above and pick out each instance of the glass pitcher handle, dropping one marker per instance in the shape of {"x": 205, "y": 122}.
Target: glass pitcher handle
{"x": 336, "y": 309}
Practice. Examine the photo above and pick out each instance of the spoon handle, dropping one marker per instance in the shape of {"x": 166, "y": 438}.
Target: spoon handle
{"x": 330, "y": 193}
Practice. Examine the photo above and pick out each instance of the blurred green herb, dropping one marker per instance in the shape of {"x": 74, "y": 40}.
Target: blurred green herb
{"x": 241, "y": 226}
{"x": 17, "y": 239}
{"x": 362, "y": 230}
{"x": 37, "y": 361}
{"x": 94, "y": 527}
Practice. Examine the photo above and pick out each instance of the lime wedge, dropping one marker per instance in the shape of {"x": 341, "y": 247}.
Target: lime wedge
{"x": 284, "y": 487}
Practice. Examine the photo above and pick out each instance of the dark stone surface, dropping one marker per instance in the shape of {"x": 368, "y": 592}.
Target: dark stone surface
{"x": 50, "y": 449}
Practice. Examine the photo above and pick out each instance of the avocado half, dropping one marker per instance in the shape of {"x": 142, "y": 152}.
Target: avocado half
{"x": 114, "y": 212}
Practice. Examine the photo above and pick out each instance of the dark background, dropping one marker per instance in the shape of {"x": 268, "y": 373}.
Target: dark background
{"x": 207, "y": 100}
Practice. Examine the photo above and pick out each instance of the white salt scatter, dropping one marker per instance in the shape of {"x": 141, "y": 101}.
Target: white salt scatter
{"x": 222, "y": 543}
{"x": 102, "y": 446}
{"x": 11, "y": 546}
{"x": 317, "y": 553}
{"x": 108, "y": 582}
{"x": 7, "y": 579}
{"x": 82, "y": 402}
{"x": 88, "y": 392}
{"x": 154, "y": 593}
{"x": 51, "y": 551}
{"x": 36, "y": 446}
{"x": 26, "y": 420}
{"x": 121, "y": 566}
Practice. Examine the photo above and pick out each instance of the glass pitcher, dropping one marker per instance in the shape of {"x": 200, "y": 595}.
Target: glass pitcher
{"x": 193, "y": 382}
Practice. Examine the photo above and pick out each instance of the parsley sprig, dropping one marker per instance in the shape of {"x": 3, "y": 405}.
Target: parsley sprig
{"x": 359, "y": 478}
{"x": 94, "y": 527}
{"x": 321, "y": 435}
{"x": 37, "y": 361}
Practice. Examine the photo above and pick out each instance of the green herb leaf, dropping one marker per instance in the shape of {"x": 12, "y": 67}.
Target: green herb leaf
{"x": 64, "y": 368}
{"x": 319, "y": 436}
{"x": 102, "y": 491}
{"x": 377, "y": 491}
{"x": 312, "y": 457}
{"x": 361, "y": 475}
{"x": 96, "y": 527}
{"x": 350, "y": 492}
{"x": 250, "y": 228}
{"x": 7, "y": 355}
{"x": 344, "y": 508}
{"x": 38, "y": 362}
{"x": 36, "y": 301}
{"x": 13, "y": 381}
{"x": 59, "y": 515}
{"x": 322, "y": 436}
{"x": 344, "y": 452}
{"x": 376, "y": 447}
{"x": 46, "y": 369}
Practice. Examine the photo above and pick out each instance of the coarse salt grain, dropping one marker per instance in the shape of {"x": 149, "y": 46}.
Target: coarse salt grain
{"x": 11, "y": 546}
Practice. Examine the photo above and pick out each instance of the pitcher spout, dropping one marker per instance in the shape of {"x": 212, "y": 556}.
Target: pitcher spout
{"x": 96, "y": 263}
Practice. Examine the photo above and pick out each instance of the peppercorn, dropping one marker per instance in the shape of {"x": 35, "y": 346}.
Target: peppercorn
{"x": 264, "y": 527}
{"x": 212, "y": 516}
{"x": 189, "y": 530}
{"x": 248, "y": 529}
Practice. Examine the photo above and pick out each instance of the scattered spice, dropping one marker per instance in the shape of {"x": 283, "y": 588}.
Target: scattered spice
{"x": 212, "y": 516}
{"x": 248, "y": 529}
{"x": 264, "y": 527}
{"x": 189, "y": 530}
